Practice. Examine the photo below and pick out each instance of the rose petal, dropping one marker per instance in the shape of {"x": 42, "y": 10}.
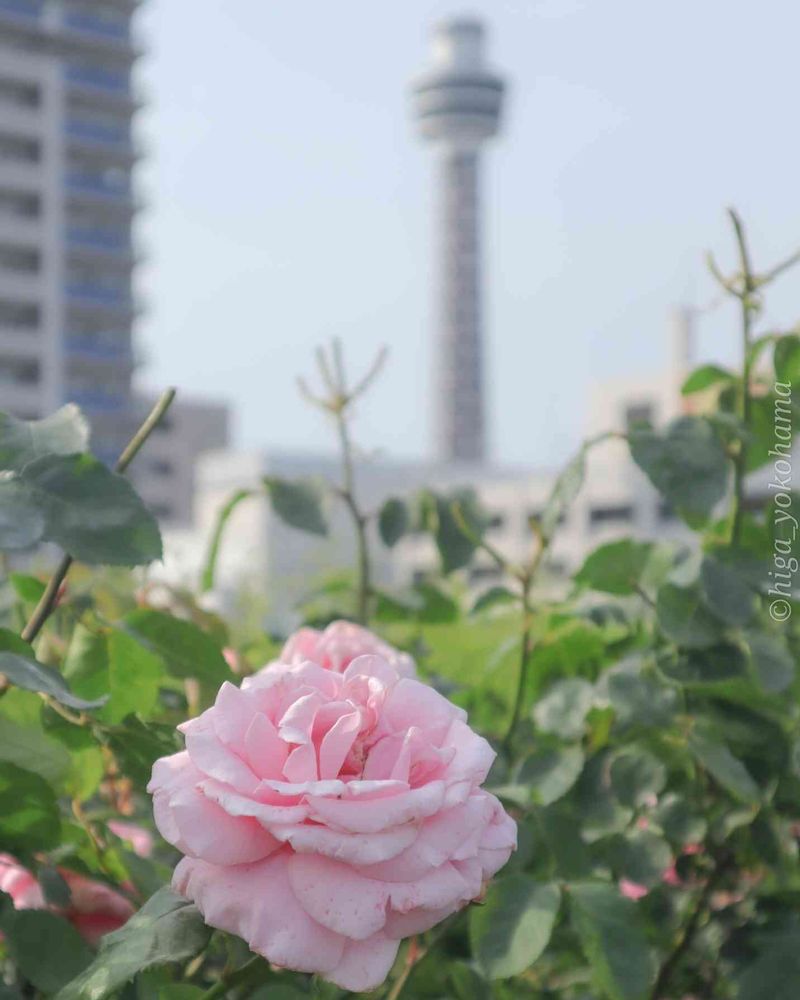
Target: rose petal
{"x": 337, "y": 897}
{"x": 365, "y": 964}
{"x": 370, "y": 816}
{"x": 354, "y": 848}
{"x": 256, "y": 902}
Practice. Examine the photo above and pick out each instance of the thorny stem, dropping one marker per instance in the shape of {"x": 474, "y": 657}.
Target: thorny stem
{"x": 686, "y": 938}
{"x": 337, "y": 403}
{"x": 745, "y": 295}
{"x": 48, "y": 599}
{"x": 526, "y": 649}
{"x": 413, "y": 955}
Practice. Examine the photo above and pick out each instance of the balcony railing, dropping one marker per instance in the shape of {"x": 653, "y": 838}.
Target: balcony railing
{"x": 118, "y": 30}
{"x": 109, "y": 187}
{"x": 112, "y": 135}
{"x": 98, "y": 401}
{"x": 88, "y": 347}
{"x": 99, "y": 239}
{"x": 30, "y": 10}
{"x": 115, "y": 81}
{"x": 88, "y": 292}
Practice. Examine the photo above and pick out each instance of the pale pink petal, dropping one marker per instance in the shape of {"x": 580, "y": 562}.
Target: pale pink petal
{"x": 411, "y": 703}
{"x": 266, "y": 813}
{"x": 256, "y": 903}
{"x": 402, "y": 925}
{"x": 370, "y": 665}
{"x": 474, "y": 755}
{"x": 337, "y": 897}
{"x": 354, "y": 848}
{"x": 365, "y": 964}
{"x": 337, "y": 743}
{"x": 442, "y": 886}
{"x": 198, "y": 826}
{"x": 211, "y": 756}
{"x": 266, "y": 751}
{"x": 301, "y": 764}
{"x": 370, "y": 816}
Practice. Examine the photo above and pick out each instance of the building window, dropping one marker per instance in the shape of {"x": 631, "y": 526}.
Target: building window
{"x": 480, "y": 574}
{"x": 536, "y": 514}
{"x": 162, "y": 511}
{"x": 18, "y": 371}
{"x": 19, "y": 315}
{"x": 637, "y": 414}
{"x": 666, "y": 512}
{"x": 611, "y": 514}
{"x": 496, "y": 521}
{"x": 19, "y": 205}
{"x": 161, "y": 467}
{"x": 19, "y": 148}
{"x": 19, "y": 259}
{"x": 18, "y": 94}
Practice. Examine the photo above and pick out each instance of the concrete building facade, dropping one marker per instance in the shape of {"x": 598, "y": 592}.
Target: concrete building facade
{"x": 66, "y": 209}
{"x": 67, "y": 250}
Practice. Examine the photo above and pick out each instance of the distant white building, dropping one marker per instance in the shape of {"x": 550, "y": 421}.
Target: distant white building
{"x": 264, "y": 555}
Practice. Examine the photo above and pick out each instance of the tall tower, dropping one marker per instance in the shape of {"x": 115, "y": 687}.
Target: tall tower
{"x": 457, "y": 105}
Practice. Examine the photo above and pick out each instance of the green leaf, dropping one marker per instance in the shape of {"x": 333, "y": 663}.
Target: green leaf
{"x": 29, "y": 819}
{"x": 727, "y": 770}
{"x": 166, "y": 929}
{"x": 679, "y": 823}
{"x": 684, "y": 619}
{"x": 513, "y": 927}
{"x": 64, "y": 432}
{"x": 637, "y": 697}
{"x": 393, "y": 521}
{"x": 771, "y": 661}
{"x": 224, "y": 515}
{"x": 297, "y": 503}
{"x": 137, "y": 745}
{"x": 549, "y": 774}
{"x": 22, "y": 524}
{"x": 637, "y": 777}
{"x": 774, "y": 971}
{"x": 565, "y": 489}
{"x": 704, "y": 377}
{"x": 639, "y": 856}
{"x": 30, "y": 747}
{"x": 134, "y": 675}
{"x": 468, "y": 983}
{"x": 612, "y": 937}
{"x": 186, "y": 650}
{"x": 455, "y": 547}
{"x": 27, "y": 588}
{"x": 25, "y": 671}
{"x": 727, "y": 592}
{"x": 564, "y": 708}
{"x": 787, "y": 359}
{"x": 687, "y": 465}
{"x": 615, "y": 568}
{"x": 54, "y": 887}
{"x": 47, "y": 949}
{"x": 491, "y": 598}
{"x": 91, "y": 512}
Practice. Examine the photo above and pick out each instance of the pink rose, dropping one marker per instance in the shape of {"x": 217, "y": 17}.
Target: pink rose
{"x": 339, "y": 644}
{"x": 325, "y": 816}
{"x": 94, "y": 909}
{"x": 632, "y": 890}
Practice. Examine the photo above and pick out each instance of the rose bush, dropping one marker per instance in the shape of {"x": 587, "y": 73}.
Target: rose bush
{"x": 325, "y": 816}
{"x": 94, "y": 909}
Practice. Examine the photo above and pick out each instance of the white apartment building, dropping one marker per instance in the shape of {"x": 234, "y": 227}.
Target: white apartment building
{"x": 67, "y": 250}
{"x": 261, "y": 554}
{"x": 66, "y": 210}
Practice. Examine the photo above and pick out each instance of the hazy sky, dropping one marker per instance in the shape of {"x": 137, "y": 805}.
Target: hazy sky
{"x": 289, "y": 201}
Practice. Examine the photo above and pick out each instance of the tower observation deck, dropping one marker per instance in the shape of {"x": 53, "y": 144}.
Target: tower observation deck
{"x": 457, "y": 103}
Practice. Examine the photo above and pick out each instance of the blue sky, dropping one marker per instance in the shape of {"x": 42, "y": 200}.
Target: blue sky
{"x": 289, "y": 201}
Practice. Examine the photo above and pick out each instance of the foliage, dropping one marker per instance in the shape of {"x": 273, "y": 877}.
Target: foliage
{"x": 647, "y": 720}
